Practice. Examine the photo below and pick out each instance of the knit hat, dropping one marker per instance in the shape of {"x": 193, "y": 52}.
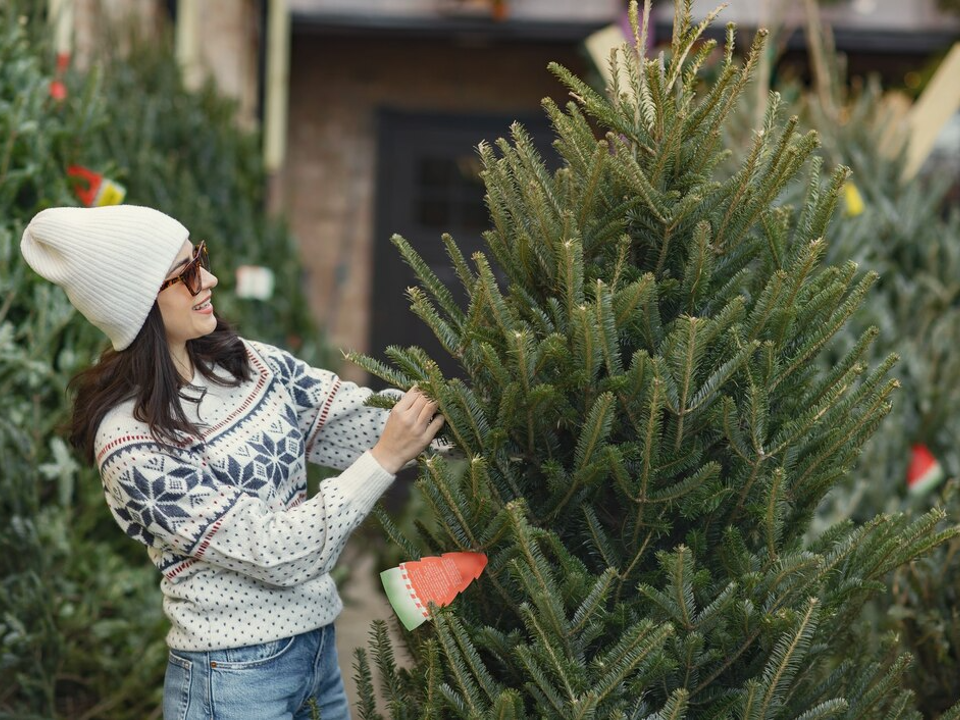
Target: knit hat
{"x": 110, "y": 261}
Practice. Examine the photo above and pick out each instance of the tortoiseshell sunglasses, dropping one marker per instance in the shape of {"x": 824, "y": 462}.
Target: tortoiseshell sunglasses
{"x": 190, "y": 275}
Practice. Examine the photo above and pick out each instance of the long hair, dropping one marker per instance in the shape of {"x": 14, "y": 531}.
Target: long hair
{"x": 145, "y": 372}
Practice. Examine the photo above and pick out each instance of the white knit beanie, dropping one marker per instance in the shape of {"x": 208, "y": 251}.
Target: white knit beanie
{"x": 110, "y": 260}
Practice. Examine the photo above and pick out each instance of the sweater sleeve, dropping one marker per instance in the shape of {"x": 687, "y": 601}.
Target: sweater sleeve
{"x": 336, "y": 423}
{"x": 167, "y": 502}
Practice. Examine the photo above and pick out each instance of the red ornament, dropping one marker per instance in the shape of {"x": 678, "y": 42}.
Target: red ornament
{"x": 58, "y": 89}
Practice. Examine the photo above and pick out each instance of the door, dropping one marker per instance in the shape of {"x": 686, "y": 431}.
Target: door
{"x": 428, "y": 184}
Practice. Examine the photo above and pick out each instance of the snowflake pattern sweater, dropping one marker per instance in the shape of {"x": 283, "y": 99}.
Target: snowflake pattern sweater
{"x": 244, "y": 556}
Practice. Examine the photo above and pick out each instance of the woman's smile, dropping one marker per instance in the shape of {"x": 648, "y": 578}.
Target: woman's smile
{"x": 205, "y": 307}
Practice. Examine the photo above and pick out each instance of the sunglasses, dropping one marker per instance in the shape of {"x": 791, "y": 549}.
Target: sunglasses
{"x": 190, "y": 275}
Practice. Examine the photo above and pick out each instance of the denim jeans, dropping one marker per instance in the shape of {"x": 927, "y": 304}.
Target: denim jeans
{"x": 282, "y": 679}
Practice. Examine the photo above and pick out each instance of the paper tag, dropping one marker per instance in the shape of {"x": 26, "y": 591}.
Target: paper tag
{"x": 110, "y": 193}
{"x": 924, "y": 472}
{"x": 413, "y": 585}
{"x": 255, "y": 282}
{"x": 93, "y": 189}
{"x": 853, "y": 200}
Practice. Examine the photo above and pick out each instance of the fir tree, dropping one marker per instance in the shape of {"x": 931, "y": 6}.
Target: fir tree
{"x": 647, "y": 428}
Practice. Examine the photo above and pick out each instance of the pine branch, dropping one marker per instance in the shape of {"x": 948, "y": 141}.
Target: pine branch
{"x": 449, "y": 337}
{"x": 601, "y": 540}
{"x": 390, "y": 683}
{"x": 786, "y": 658}
{"x": 556, "y": 658}
{"x": 444, "y": 495}
{"x": 466, "y": 277}
{"x": 596, "y": 429}
{"x": 593, "y": 603}
{"x": 367, "y": 703}
{"x": 639, "y": 647}
{"x": 651, "y": 419}
{"x": 586, "y": 348}
{"x": 508, "y": 707}
{"x": 430, "y": 281}
{"x": 547, "y": 694}
{"x": 412, "y": 360}
{"x": 394, "y": 534}
{"x": 709, "y": 471}
{"x": 589, "y": 191}
{"x": 675, "y": 707}
{"x": 820, "y": 338}
{"x": 491, "y": 295}
{"x": 468, "y": 698}
{"x": 636, "y": 294}
{"x": 630, "y": 172}
{"x": 380, "y": 370}
{"x": 468, "y": 651}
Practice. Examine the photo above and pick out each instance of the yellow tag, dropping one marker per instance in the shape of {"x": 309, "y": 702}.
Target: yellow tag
{"x": 853, "y": 199}
{"x": 110, "y": 193}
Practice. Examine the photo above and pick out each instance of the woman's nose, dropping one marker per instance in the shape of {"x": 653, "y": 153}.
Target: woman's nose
{"x": 209, "y": 279}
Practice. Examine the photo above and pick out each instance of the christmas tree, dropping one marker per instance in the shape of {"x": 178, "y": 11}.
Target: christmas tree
{"x": 647, "y": 429}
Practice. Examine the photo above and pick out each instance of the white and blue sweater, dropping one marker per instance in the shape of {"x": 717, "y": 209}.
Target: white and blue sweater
{"x": 245, "y": 557}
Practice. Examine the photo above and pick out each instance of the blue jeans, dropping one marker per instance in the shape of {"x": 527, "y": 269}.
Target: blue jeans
{"x": 278, "y": 680}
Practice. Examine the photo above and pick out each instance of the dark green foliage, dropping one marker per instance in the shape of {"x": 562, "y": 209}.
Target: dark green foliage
{"x": 81, "y": 626}
{"x": 648, "y": 428}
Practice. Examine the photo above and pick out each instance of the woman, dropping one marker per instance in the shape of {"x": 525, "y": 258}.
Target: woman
{"x": 202, "y": 439}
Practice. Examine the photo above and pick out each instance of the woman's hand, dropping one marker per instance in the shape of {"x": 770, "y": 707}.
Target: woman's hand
{"x": 410, "y": 427}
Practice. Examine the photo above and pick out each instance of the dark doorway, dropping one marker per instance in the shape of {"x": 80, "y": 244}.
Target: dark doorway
{"x": 428, "y": 184}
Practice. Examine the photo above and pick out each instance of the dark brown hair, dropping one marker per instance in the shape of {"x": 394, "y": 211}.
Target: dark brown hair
{"x": 145, "y": 372}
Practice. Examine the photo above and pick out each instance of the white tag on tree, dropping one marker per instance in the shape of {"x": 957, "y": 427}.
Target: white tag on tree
{"x": 255, "y": 282}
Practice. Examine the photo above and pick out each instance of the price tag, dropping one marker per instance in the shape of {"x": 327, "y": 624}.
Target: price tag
{"x": 255, "y": 282}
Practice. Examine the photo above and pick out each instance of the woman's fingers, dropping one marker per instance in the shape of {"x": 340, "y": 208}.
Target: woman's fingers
{"x": 426, "y": 413}
{"x": 418, "y": 407}
{"x": 410, "y": 426}
{"x": 433, "y": 427}
{"x": 406, "y": 402}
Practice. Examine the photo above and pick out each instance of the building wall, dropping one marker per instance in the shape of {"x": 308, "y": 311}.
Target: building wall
{"x": 542, "y": 10}
{"x": 229, "y": 51}
{"x": 327, "y": 187}
{"x": 893, "y": 15}
{"x": 89, "y": 16}
{"x": 229, "y": 38}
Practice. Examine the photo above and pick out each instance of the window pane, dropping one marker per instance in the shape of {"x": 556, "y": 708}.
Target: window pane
{"x": 436, "y": 172}
{"x": 434, "y": 213}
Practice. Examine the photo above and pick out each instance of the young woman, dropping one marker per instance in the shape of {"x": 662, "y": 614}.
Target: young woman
{"x": 202, "y": 439}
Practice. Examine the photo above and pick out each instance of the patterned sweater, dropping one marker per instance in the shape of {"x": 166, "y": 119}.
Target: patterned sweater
{"x": 244, "y": 556}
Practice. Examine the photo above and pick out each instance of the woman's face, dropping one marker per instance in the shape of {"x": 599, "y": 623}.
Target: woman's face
{"x": 186, "y": 316}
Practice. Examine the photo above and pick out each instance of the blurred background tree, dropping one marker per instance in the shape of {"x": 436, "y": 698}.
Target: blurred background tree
{"x": 81, "y": 626}
{"x": 903, "y": 227}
